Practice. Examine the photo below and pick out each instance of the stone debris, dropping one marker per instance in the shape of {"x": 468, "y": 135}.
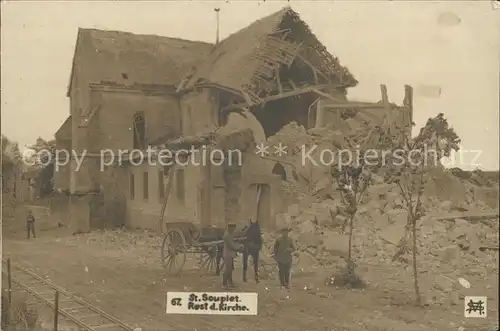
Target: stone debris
{"x": 451, "y": 245}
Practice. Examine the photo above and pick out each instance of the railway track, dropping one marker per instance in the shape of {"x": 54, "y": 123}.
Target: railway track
{"x": 78, "y": 311}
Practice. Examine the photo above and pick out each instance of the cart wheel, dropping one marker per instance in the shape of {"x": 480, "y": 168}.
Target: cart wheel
{"x": 208, "y": 260}
{"x": 173, "y": 251}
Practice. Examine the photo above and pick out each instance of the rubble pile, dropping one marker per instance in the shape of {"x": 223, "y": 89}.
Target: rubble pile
{"x": 299, "y": 142}
{"x": 449, "y": 248}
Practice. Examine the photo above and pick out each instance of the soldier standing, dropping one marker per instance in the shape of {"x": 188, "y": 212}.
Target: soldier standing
{"x": 30, "y": 224}
{"x": 230, "y": 249}
{"x": 253, "y": 245}
{"x": 283, "y": 249}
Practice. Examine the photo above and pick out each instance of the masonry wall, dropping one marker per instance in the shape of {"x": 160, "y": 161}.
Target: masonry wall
{"x": 115, "y": 117}
{"x": 79, "y": 102}
{"x": 62, "y": 174}
{"x": 199, "y": 111}
{"x": 144, "y": 211}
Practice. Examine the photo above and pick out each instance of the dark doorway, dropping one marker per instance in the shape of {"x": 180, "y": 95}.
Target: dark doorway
{"x": 264, "y": 205}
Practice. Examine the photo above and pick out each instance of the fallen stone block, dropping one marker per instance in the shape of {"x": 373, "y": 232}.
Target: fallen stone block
{"x": 305, "y": 227}
{"x": 446, "y": 206}
{"x": 306, "y": 216}
{"x": 340, "y": 220}
{"x": 393, "y": 233}
{"x": 309, "y": 240}
{"x": 379, "y": 219}
{"x": 294, "y": 210}
{"x": 397, "y": 216}
{"x": 460, "y": 222}
{"x": 450, "y": 254}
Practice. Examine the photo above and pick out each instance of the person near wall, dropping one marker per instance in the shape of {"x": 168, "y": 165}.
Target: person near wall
{"x": 229, "y": 253}
{"x": 283, "y": 250}
{"x": 253, "y": 245}
{"x": 30, "y": 224}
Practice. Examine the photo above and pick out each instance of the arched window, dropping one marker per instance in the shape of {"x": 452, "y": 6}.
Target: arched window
{"x": 279, "y": 170}
{"x": 139, "y": 131}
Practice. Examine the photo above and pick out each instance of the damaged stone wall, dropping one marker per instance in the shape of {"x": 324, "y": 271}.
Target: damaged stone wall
{"x": 199, "y": 112}
{"x": 114, "y": 191}
{"x": 116, "y": 114}
{"x": 79, "y": 213}
{"x": 183, "y": 200}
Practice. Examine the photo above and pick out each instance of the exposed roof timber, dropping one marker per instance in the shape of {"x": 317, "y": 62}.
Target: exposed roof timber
{"x": 214, "y": 85}
{"x": 353, "y": 104}
{"x": 315, "y": 71}
{"x": 283, "y": 95}
{"x": 326, "y": 95}
{"x": 278, "y": 80}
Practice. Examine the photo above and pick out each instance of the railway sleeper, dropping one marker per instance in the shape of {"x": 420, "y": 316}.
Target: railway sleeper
{"x": 89, "y": 316}
{"x": 73, "y": 309}
{"x": 103, "y": 326}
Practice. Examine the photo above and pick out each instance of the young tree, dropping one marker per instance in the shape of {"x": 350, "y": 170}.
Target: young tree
{"x": 352, "y": 182}
{"x": 406, "y": 167}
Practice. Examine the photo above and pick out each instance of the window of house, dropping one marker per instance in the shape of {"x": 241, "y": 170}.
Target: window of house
{"x": 179, "y": 180}
{"x": 161, "y": 185}
{"x": 132, "y": 187}
{"x": 139, "y": 128}
{"x": 145, "y": 186}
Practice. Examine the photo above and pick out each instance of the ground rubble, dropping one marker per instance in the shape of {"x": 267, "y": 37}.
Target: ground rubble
{"x": 448, "y": 249}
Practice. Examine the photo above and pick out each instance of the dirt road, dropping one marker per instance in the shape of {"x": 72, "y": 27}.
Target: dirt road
{"x": 121, "y": 275}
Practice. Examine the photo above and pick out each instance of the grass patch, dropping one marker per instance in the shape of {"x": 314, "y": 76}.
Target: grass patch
{"x": 19, "y": 315}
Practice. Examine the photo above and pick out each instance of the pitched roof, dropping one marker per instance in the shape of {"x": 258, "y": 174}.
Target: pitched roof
{"x": 141, "y": 59}
{"x": 234, "y": 61}
{"x": 64, "y": 132}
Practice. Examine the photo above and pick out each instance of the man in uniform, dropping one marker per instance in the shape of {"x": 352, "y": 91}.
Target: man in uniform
{"x": 230, "y": 249}
{"x": 30, "y": 224}
{"x": 283, "y": 251}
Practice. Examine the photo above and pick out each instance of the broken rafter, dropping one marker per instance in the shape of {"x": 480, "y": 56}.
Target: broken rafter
{"x": 283, "y": 95}
{"x": 250, "y": 97}
{"x": 246, "y": 97}
{"x": 278, "y": 81}
{"x": 315, "y": 70}
{"x": 469, "y": 215}
{"x": 326, "y": 95}
{"x": 361, "y": 105}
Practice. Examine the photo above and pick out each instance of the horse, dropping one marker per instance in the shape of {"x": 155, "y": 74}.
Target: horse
{"x": 249, "y": 236}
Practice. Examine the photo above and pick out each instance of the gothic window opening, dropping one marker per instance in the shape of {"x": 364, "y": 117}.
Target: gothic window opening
{"x": 145, "y": 186}
{"x": 132, "y": 187}
{"x": 139, "y": 131}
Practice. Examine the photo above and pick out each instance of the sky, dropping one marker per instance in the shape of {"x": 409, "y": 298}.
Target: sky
{"x": 448, "y": 51}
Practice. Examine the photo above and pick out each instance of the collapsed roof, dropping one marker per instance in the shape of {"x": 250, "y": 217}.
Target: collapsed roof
{"x": 249, "y": 59}
{"x": 275, "y": 54}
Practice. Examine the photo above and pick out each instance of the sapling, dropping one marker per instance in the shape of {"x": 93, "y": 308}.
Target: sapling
{"x": 352, "y": 182}
{"x": 407, "y": 167}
